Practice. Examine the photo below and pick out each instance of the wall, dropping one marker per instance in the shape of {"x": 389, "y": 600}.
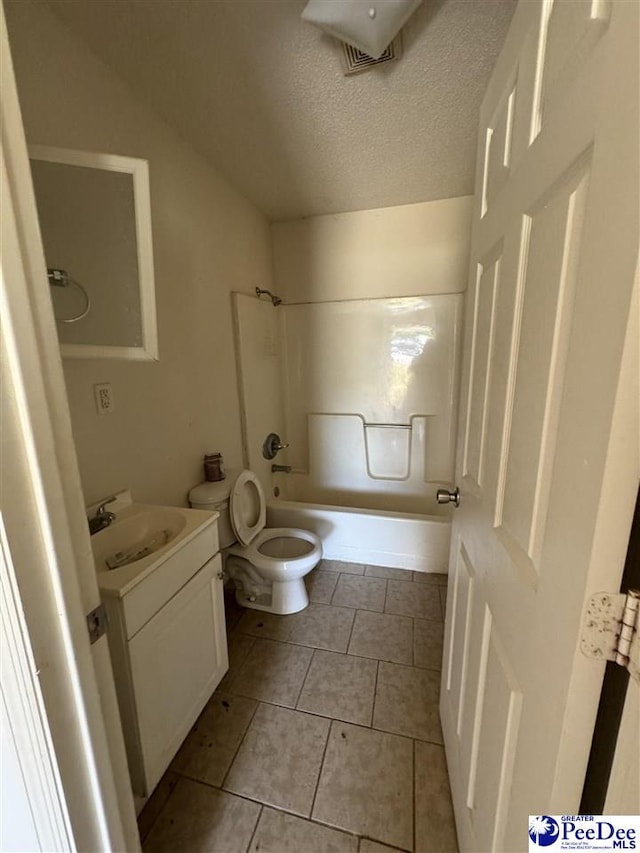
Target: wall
{"x": 410, "y": 250}
{"x": 208, "y": 241}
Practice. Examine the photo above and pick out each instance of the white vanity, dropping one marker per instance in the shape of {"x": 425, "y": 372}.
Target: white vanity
{"x": 167, "y": 634}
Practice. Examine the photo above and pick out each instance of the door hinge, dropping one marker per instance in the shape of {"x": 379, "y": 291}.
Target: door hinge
{"x": 97, "y": 623}
{"x": 611, "y": 629}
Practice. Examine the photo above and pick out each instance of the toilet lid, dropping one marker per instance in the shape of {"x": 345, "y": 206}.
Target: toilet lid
{"x": 247, "y": 508}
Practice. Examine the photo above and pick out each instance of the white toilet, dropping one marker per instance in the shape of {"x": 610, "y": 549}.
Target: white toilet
{"x": 267, "y": 565}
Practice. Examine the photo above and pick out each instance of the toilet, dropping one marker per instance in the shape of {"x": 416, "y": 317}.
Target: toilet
{"x": 267, "y": 565}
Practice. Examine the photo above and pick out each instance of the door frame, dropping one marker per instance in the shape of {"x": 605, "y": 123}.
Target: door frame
{"x": 614, "y": 523}
{"x": 612, "y": 698}
{"x": 51, "y": 591}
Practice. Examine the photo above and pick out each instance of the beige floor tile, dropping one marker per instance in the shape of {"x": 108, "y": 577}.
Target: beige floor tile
{"x": 362, "y": 593}
{"x": 382, "y": 636}
{"x": 322, "y": 627}
{"x": 340, "y": 686}
{"x": 428, "y": 638}
{"x": 156, "y": 802}
{"x": 279, "y": 760}
{"x": 367, "y": 846}
{"x": 413, "y": 599}
{"x": 320, "y": 586}
{"x": 383, "y": 572}
{"x": 340, "y": 566}
{"x": 273, "y": 672}
{"x": 443, "y": 601}
{"x": 278, "y": 832}
{"x": 437, "y": 578}
{"x": 239, "y": 646}
{"x": 407, "y": 702}
{"x": 435, "y": 827}
{"x": 269, "y": 625}
{"x": 211, "y": 744}
{"x": 199, "y": 818}
{"x": 366, "y": 784}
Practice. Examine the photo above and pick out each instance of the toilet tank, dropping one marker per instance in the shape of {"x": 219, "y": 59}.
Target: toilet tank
{"x": 215, "y": 497}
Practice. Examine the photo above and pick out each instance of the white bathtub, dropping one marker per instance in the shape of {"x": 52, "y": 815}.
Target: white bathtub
{"x": 394, "y": 539}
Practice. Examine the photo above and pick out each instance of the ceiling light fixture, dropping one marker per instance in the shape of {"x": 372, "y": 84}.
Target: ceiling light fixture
{"x": 368, "y": 25}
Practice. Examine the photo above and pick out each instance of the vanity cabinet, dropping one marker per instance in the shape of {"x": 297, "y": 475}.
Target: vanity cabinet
{"x": 168, "y": 647}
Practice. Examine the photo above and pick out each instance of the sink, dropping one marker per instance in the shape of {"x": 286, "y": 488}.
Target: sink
{"x": 142, "y": 538}
{"x": 135, "y": 535}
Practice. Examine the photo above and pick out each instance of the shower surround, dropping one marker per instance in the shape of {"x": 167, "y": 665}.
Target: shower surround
{"x": 364, "y": 391}
{"x": 369, "y": 390}
{"x": 358, "y": 369}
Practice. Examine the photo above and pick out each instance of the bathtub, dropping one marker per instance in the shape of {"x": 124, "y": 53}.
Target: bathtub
{"x": 378, "y": 538}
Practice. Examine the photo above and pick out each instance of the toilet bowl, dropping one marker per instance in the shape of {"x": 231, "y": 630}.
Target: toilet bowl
{"x": 266, "y": 565}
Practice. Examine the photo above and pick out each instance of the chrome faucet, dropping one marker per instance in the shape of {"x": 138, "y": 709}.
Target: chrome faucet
{"x": 103, "y": 518}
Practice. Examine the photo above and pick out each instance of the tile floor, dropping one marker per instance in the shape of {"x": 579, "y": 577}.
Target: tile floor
{"x": 324, "y": 735}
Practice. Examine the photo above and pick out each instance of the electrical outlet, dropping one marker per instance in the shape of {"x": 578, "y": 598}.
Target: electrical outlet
{"x": 104, "y": 398}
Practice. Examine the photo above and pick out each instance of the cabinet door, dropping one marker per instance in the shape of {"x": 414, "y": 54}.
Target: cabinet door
{"x": 177, "y": 660}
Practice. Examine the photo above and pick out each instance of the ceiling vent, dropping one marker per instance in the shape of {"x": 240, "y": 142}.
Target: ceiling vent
{"x": 355, "y": 60}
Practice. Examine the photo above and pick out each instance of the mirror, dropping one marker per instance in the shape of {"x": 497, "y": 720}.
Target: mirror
{"x": 95, "y": 219}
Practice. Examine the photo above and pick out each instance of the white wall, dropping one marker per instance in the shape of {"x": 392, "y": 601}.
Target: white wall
{"x": 208, "y": 240}
{"x": 411, "y": 250}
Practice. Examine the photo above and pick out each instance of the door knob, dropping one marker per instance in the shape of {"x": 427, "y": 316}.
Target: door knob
{"x": 444, "y": 496}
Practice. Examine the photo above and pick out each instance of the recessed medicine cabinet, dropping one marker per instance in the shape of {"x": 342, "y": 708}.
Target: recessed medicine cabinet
{"x": 95, "y": 219}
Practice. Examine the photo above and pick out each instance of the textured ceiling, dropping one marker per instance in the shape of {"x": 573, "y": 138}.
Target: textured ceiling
{"x": 262, "y": 96}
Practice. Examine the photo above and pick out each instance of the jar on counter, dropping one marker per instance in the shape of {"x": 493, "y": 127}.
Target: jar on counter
{"x": 213, "y": 467}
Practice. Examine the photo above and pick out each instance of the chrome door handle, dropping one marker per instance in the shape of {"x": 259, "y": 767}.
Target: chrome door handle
{"x": 444, "y": 496}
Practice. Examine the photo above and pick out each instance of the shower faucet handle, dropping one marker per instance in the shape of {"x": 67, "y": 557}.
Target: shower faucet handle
{"x": 271, "y": 445}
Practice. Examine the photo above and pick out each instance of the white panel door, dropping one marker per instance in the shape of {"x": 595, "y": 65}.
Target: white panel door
{"x": 554, "y": 249}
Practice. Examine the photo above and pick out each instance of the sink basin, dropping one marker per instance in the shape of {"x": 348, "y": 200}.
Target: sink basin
{"x": 136, "y": 535}
{"x": 151, "y": 547}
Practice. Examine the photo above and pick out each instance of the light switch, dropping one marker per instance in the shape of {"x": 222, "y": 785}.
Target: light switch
{"x": 104, "y": 398}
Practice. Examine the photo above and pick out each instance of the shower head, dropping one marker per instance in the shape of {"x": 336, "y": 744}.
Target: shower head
{"x": 275, "y": 300}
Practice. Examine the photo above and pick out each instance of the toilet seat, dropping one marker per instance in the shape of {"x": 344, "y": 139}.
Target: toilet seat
{"x": 247, "y": 508}
{"x": 272, "y": 550}
{"x": 259, "y": 557}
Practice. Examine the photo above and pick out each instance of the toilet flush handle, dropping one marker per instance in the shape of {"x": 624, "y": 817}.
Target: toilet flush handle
{"x": 271, "y": 445}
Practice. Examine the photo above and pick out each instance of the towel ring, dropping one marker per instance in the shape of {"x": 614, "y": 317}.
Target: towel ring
{"x": 61, "y": 278}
